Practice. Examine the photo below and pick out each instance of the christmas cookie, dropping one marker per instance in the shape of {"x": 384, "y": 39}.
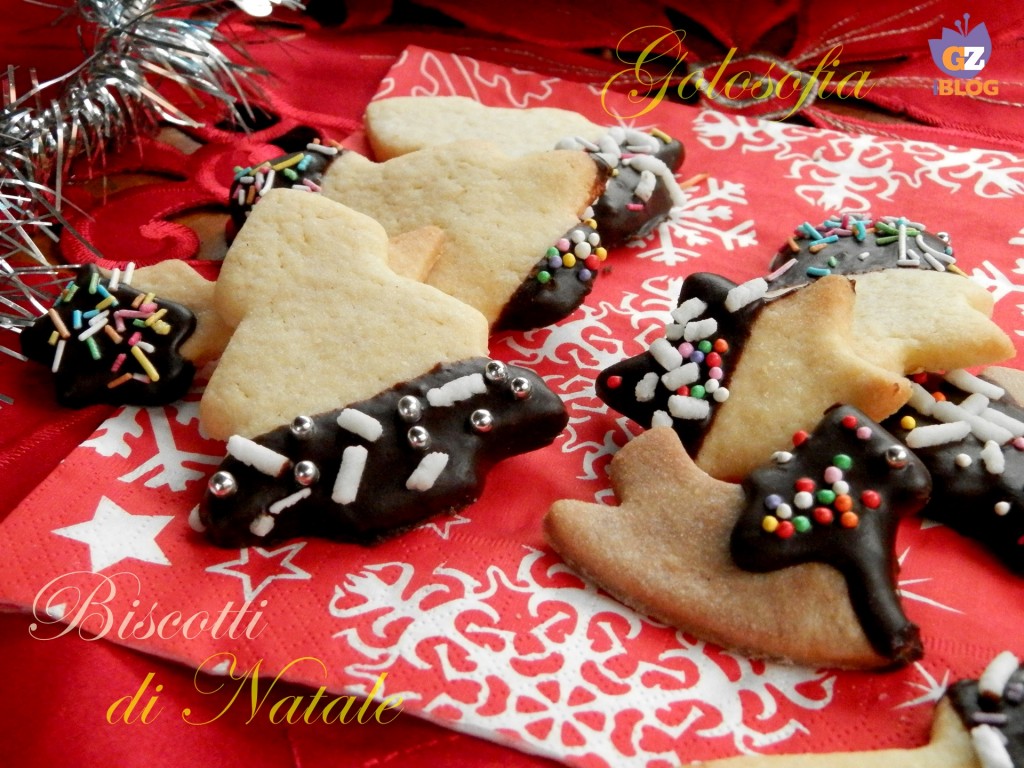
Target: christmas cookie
{"x": 736, "y": 376}
{"x": 639, "y": 165}
{"x": 108, "y": 342}
{"x": 398, "y": 126}
{"x": 816, "y": 525}
{"x": 339, "y": 370}
{"x": 320, "y": 319}
{"x": 505, "y": 219}
{"x": 914, "y": 307}
{"x": 969, "y": 432}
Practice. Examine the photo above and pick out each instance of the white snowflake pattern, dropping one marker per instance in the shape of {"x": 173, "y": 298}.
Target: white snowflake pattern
{"x": 170, "y": 466}
{"x": 931, "y": 689}
{"x": 706, "y": 218}
{"x": 849, "y": 172}
{"x": 571, "y": 658}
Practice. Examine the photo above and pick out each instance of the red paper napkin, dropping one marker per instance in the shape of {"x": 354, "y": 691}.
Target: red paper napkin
{"x": 471, "y": 620}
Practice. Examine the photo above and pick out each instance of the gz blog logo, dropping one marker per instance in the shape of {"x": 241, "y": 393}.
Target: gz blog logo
{"x": 963, "y": 54}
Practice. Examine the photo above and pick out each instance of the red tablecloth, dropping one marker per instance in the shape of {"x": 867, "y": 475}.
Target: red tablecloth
{"x": 60, "y": 689}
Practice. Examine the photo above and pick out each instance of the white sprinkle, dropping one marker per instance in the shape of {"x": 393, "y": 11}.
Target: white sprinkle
{"x": 99, "y": 318}
{"x": 288, "y": 501}
{"x": 1014, "y": 426}
{"x": 781, "y": 270}
{"x": 146, "y": 347}
{"x": 426, "y": 473}
{"x": 684, "y": 374}
{"x": 261, "y": 525}
{"x": 696, "y": 330}
{"x": 937, "y": 434}
{"x": 115, "y": 279}
{"x": 92, "y": 330}
{"x": 711, "y": 386}
{"x": 685, "y": 407}
{"x": 989, "y": 748}
{"x": 646, "y": 186}
{"x": 968, "y": 382}
{"x": 129, "y": 273}
{"x": 982, "y": 429}
{"x": 194, "y": 522}
{"x": 1002, "y": 508}
{"x": 661, "y": 419}
{"x": 582, "y": 250}
{"x": 921, "y": 399}
{"x": 864, "y": 255}
{"x": 803, "y": 500}
{"x": 359, "y": 423}
{"x": 577, "y": 236}
{"x": 783, "y": 511}
{"x": 350, "y": 474}
{"x": 721, "y": 394}
{"x": 962, "y": 460}
{"x": 301, "y": 188}
{"x": 241, "y": 196}
{"x": 976, "y": 403}
{"x": 782, "y": 457}
{"x": 993, "y": 459}
{"x": 268, "y": 183}
{"x": 688, "y": 310}
{"x": 609, "y": 144}
{"x": 674, "y": 331}
{"x": 945, "y": 258}
{"x": 932, "y": 262}
{"x": 746, "y": 293}
{"x": 458, "y": 389}
{"x": 667, "y": 356}
{"x": 646, "y": 387}
{"x": 58, "y": 355}
{"x": 323, "y": 150}
{"x": 993, "y": 680}
{"x": 594, "y": 238}
{"x": 840, "y": 487}
{"x": 257, "y": 456}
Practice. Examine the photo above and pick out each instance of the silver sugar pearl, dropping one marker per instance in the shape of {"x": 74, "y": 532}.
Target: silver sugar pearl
{"x": 419, "y": 438}
{"x": 897, "y": 456}
{"x": 410, "y": 409}
{"x": 222, "y": 484}
{"x": 306, "y": 473}
{"x": 495, "y": 371}
{"x": 481, "y": 420}
{"x": 303, "y": 426}
{"x": 521, "y": 387}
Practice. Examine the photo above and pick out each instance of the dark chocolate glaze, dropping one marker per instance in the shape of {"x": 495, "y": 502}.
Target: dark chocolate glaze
{"x": 965, "y": 498}
{"x": 310, "y": 167}
{"x": 80, "y": 380}
{"x": 864, "y": 553}
{"x": 844, "y": 255}
{"x": 536, "y": 304}
{"x": 384, "y": 505}
{"x": 618, "y": 223}
{"x": 974, "y": 709}
{"x": 733, "y": 328}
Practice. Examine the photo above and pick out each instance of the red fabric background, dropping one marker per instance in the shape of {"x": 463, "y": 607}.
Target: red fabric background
{"x": 55, "y": 691}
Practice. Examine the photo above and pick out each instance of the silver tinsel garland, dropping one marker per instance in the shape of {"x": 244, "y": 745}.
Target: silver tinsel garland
{"x": 108, "y": 99}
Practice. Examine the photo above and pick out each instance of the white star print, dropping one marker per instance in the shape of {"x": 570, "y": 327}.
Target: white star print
{"x": 932, "y": 689}
{"x": 114, "y": 535}
{"x": 291, "y": 571}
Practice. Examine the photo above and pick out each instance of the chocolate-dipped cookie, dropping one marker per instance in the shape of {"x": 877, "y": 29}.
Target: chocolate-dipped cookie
{"x": 381, "y": 465}
{"x": 107, "y": 342}
{"x": 969, "y": 432}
